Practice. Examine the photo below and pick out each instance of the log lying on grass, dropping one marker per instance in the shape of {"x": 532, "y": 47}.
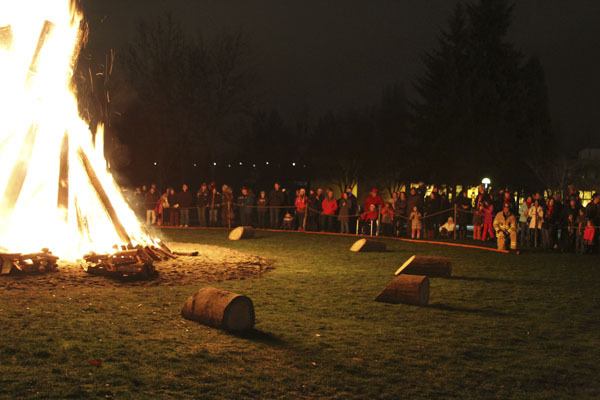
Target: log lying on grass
{"x": 364, "y": 245}
{"x": 407, "y": 289}
{"x": 434, "y": 267}
{"x": 241, "y": 232}
{"x": 220, "y": 309}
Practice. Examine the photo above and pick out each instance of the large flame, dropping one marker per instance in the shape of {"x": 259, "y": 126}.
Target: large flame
{"x": 67, "y": 202}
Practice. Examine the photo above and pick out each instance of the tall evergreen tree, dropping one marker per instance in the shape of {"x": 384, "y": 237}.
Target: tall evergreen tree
{"x": 482, "y": 104}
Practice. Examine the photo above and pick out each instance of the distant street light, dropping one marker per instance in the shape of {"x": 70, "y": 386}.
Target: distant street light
{"x": 486, "y": 182}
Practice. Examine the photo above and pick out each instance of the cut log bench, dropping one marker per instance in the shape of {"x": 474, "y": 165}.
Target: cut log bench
{"x": 367, "y": 245}
{"x": 220, "y": 309}
{"x": 407, "y": 289}
{"x": 433, "y": 267}
{"x": 242, "y": 232}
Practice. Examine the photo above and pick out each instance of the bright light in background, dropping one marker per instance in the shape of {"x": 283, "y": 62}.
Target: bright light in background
{"x": 486, "y": 182}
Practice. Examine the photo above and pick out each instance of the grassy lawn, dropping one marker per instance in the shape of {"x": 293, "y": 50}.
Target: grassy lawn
{"x": 505, "y": 326}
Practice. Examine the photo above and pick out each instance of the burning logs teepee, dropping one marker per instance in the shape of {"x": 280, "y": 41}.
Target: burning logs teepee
{"x": 220, "y": 309}
{"x": 54, "y": 175}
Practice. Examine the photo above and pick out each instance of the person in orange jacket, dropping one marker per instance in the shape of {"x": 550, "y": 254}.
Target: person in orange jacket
{"x": 329, "y": 206}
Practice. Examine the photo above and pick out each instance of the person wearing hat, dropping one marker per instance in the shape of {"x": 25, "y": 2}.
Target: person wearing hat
{"x": 505, "y": 225}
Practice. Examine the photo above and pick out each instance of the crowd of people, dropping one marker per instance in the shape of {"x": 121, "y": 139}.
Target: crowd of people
{"x": 534, "y": 221}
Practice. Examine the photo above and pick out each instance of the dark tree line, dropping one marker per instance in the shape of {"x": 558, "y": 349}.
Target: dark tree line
{"x": 480, "y": 108}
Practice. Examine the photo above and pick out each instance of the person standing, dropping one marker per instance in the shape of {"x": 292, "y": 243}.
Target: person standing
{"x": 151, "y": 201}
{"x": 344, "y": 206}
{"x": 536, "y": 219}
{"x": 330, "y": 207}
{"x": 463, "y": 207}
{"x": 524, "y": 221}
{"x": 488, "y": 221}
{"x": 227, "y": 214}
{"x": 261, "y": 207}
{"x": 173, "y": 208}
{"x": 214, "y": 206}
{"x": 246, "y": 204}
{"x": 276, "y": 202}
{"x": 300, "y": 204}
{"x": 202, "y": 201}
{"x": 185, "y": 204}
{"x": 352, "y": 210}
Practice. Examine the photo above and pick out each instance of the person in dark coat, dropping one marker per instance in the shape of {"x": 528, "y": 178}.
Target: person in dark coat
{"x": 202, "y": 201}
{"x": 214, "y": 206}
{"x": 151, "y": 201}
{"x": 185, "y": 201}
{"x": 463, "y": 208}
{"x": 262, "y": 210}
{"x": 352, "y": 209}
{"x": 174, "y": 208}
{"x": 276, "y": 200}
{"x": 414, "y": 199}
{"x": 246, "y": 204}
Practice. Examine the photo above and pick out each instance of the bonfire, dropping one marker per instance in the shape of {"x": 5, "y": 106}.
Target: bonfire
{"x": 57, "y": 196}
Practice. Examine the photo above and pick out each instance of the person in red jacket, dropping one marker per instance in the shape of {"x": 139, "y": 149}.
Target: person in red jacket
{"x": 373, "y": 198}
{"x": 300, "y": 204}
{"x": 330, "y": 207}
{"x": 368, "y": 220}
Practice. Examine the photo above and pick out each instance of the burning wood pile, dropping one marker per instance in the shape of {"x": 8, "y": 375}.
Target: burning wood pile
{"x": 54, "y": 175}
{"x": 129, "y": 262}
{"x": 43, "y": 261}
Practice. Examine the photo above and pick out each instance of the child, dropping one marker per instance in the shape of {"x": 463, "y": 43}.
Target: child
{"x": 581, "y": 223}
{"x": 488, "y": 221}
{"x": 588, "y": 236}
{"x": 477, "y": 222}
{"x": 415, "y": 223}
{"x": 387, "y": 219}
{"x": 288, "y": 222}
{"x": 369, "y": 220}
{"x": 448, "y": 228}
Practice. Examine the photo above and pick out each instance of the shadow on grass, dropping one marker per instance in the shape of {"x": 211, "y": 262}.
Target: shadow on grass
{"x": 259, "y": 336}
{"x": 478, "y": 311}
{"x": 483, "y": 279}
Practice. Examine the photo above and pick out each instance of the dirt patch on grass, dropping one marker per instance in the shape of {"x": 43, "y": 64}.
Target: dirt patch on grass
{"x": 212, "y": 264}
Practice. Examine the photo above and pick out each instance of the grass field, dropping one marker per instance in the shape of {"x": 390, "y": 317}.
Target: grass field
{"x": 505, "y": 326}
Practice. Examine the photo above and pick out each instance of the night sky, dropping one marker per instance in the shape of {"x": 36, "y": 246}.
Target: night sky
{"x": 331, "y": 54}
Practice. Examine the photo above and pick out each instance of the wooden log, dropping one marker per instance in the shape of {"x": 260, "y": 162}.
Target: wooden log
{"x": 433, "y": 267}
{"x": 365, "y": 245}
{"x": 47, "y": 29}
{"x": 19, "y": 172}
{"x": 6, "y": 37}
{"x": 63, "y": 175}
{"x": 407, "y": 289}
{"x": 242, "y": 232}
{"x": 220, "y": 309}
{"x": 110, "y": 210}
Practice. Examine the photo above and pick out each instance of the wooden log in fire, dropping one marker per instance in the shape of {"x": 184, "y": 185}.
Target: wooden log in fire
{"x": 63, "y": 175}
{"x": 43, "y": 261}
{"x": 124, "y": 264}
{"x": 103, "y": 197}
{"x": 220, "y": 309}
{"x": 407, "y": 289}
{"x": 6, "y": 36}
{"x": 47, "y": 29}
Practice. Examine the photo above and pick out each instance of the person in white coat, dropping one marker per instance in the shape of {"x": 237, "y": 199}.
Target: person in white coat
{"x": 536, "y": 215}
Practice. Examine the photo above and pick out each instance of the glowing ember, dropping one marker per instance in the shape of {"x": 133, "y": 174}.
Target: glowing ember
{"x": 55, "y": 190}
